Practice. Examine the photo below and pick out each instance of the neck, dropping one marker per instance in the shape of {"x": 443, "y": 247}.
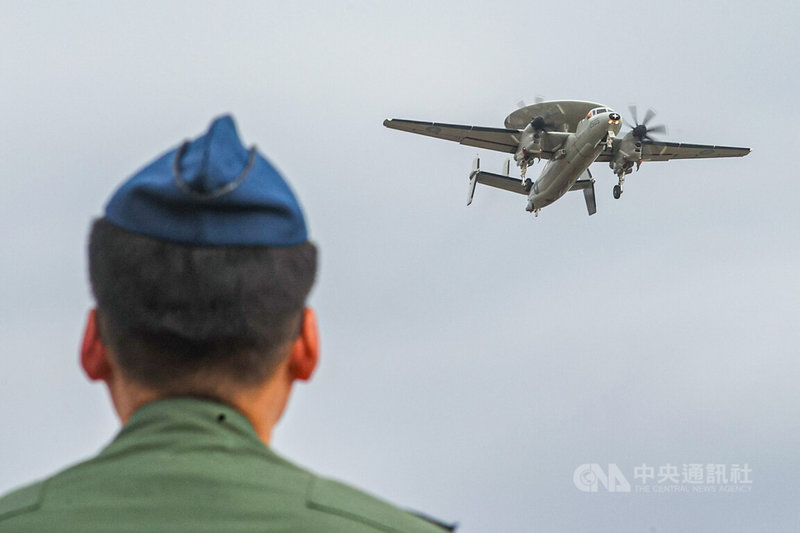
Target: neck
{"x": 262, "y": 404}
{"x": 128, "y": 397}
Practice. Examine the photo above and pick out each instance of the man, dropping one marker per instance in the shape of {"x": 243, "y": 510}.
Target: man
{"x": 200, "y": 268}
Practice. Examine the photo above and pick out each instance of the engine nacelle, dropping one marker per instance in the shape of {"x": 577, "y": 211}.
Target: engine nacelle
{"x": 530, "y": 144}
{"x": 628, "y": 153}
{"x": 632, "y": 146}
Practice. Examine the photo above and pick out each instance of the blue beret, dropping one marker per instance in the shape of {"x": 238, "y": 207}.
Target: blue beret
{"x": 211, "y": 191}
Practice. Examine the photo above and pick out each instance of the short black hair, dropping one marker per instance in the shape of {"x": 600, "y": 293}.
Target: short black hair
{"x": 177, "y": 317}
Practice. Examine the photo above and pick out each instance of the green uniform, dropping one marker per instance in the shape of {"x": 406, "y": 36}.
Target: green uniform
{"x": 188, "y": 465}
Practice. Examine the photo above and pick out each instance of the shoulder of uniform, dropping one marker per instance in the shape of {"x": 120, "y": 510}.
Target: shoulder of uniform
{"x": 22, "y": 500}
{"x": 332, "y": 497}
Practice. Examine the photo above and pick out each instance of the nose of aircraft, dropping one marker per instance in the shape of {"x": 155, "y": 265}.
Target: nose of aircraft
{"x": 614, "y": 121}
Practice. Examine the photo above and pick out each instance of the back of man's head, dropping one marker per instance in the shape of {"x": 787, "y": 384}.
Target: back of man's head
{"x": 186, "y": 319}
{"x": 201, "y": 268}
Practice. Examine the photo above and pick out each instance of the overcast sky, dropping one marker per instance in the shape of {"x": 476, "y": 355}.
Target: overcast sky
{"x": 473, "y": 358}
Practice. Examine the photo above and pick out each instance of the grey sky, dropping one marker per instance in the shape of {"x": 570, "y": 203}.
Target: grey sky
{"x": 472, "y": 357}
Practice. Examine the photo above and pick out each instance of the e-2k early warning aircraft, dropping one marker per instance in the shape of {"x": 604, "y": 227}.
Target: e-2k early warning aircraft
{"x": 570, "y": 135}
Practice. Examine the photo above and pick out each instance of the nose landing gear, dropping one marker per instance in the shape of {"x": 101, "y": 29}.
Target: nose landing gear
{"x": 618, "y": 188}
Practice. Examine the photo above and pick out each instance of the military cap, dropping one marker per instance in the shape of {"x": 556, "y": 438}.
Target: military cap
{"x": 211, "y": 191}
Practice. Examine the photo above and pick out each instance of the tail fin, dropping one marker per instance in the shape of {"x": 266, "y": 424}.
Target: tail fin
{"x": 586, "y": 184}
{"x": 473, "y": 178}
{"x": 591, "y": 203}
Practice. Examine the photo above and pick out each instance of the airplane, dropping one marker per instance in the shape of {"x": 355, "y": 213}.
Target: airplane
{"x": 570, "y": 135}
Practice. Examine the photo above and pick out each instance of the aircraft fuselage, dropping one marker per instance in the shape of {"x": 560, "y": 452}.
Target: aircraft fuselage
{"x": 577, "y": 153}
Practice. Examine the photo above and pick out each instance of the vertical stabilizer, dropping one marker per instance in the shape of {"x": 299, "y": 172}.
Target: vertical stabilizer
{"x": 586, "y": 184}
{"x": 473, "y": 178}
{"x": 588, "y": 195}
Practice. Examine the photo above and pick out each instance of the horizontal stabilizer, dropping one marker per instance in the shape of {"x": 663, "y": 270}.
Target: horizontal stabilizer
{"x": 507, "y": 183}
{"x": 581, "y": 185}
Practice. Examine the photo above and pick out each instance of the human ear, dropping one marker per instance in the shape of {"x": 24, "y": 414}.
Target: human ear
{"x": 305, "y": 351}
{"x": 94, "y": 358}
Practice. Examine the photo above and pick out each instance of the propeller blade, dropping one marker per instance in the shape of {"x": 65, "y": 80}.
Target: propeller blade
{"x": 538, "y": 99}
{"x": 632, "y": 109}
{"x": 640, "y": 129}
{"x": 521, "y": 104}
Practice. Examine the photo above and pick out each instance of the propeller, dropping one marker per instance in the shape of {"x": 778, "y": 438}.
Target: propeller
{"x": 642, "y": 131}
{"x": 540, "y": 123}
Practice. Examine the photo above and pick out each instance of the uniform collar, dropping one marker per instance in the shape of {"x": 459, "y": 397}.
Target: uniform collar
{"x": 202, "y": 409}
{"x": 184, "y": 423}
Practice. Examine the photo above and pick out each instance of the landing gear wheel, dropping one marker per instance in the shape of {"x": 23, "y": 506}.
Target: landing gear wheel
{"x": 617, "y": 192}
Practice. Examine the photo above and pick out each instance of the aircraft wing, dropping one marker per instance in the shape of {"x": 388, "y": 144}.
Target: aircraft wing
{"x": 664, "y": 151}
{"x": 498, "y": 139}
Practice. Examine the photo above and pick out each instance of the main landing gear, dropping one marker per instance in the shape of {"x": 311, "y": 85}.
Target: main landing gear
{"x": 525, "y": 161}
